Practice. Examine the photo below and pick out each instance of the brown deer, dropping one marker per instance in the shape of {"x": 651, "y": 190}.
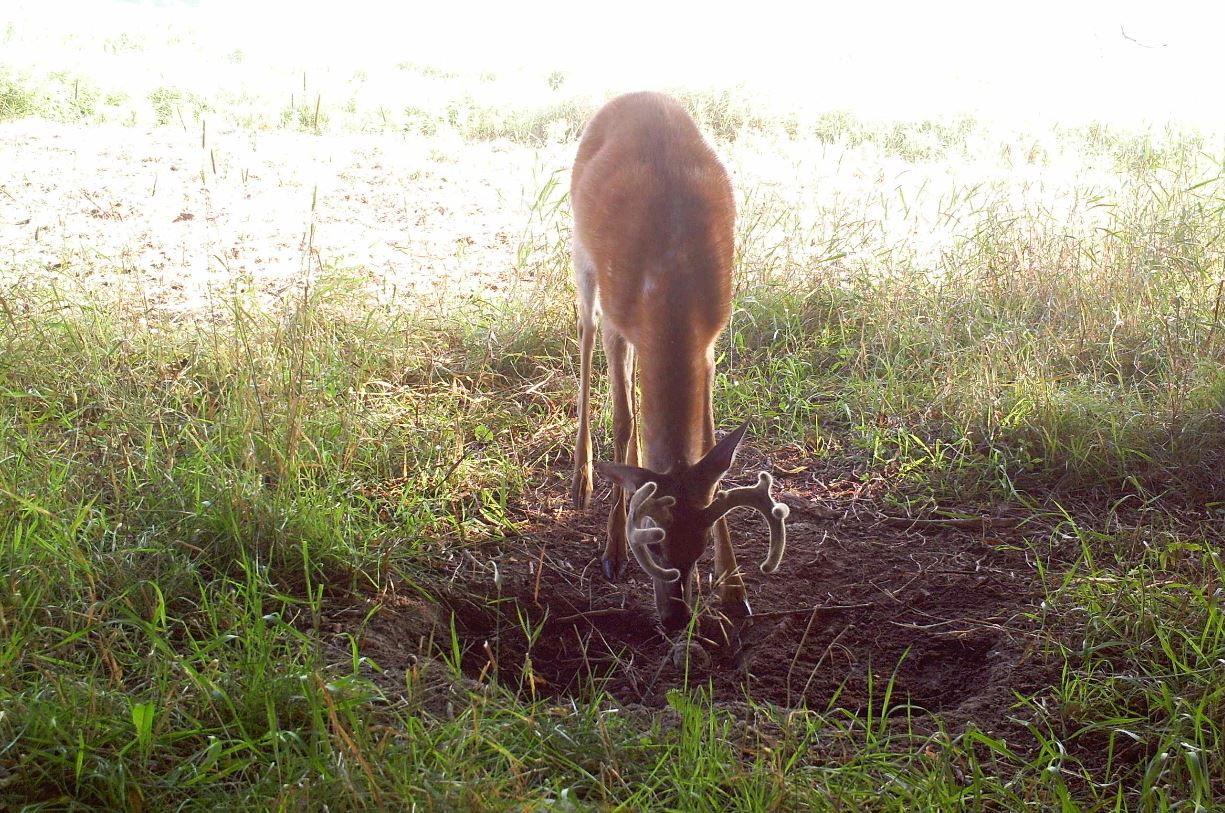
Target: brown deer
{"x": 653, "y": 243}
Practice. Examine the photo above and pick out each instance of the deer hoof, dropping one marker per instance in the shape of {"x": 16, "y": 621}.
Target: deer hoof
{"x": 580, "y": 489}
{"x": 614, "y": 569}
{"x": 736, "y": 608}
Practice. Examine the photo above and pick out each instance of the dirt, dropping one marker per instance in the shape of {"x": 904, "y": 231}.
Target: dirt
{"x": 937, "y": 617}
{"x": 180, "y": 219}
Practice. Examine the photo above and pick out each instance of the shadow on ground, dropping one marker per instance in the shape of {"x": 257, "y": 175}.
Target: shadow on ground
{"x": 939, "y": 616}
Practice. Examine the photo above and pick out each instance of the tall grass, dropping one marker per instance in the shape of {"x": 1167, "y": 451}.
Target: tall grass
{"x": 1062, "y": 331}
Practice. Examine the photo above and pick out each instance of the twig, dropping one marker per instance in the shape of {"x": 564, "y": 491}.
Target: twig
{"x": 1130, "y": 38}
{"x": 539, "y": 573}
{"x": 815, "y": 609}
{"x": 812, "y": 617}
{"x": 974, "y": 626}
{"x": 586, "y": 616}
{"x": 447, "y": 476}
{"x": 972, "y": 523}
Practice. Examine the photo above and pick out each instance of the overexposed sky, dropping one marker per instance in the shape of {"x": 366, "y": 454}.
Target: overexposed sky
{"x": 1064, "y": 57}
{"x": 1128, "y": 60}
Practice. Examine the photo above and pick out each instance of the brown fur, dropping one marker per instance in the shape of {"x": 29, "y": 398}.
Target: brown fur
{"x": 653, "y": 206}
{"x": 654, "y": 221}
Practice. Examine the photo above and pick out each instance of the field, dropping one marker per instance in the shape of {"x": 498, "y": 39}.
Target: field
{"x": 287, "y": 405}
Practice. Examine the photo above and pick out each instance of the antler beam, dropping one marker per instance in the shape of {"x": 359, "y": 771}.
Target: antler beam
{"x": 759, "y": 499}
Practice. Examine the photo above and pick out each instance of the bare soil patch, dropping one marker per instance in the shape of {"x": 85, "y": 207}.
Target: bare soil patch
{"x": 180, "y": 219}
{"x": 940, "y": 613}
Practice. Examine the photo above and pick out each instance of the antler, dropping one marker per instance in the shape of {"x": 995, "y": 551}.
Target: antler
{"x": 758, "y": 498}
{"x": 641, "y": 536}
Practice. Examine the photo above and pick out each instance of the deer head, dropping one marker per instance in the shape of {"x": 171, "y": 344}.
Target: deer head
{"x": 671, "y": 514}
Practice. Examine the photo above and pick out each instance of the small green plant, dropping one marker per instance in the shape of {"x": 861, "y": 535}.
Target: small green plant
{"x": 166, "y": 102}
{"x": 17, "y": 99}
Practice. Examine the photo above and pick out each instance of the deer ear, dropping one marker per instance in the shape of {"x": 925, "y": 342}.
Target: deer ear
{"x": 711, "y": 468}
{"x": 630, "y": 478}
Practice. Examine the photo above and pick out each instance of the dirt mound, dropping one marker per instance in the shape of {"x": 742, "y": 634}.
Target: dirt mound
{"x": 937, "y": 616}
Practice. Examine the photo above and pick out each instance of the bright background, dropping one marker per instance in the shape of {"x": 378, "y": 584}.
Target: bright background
{"x": 1059, "y": 60}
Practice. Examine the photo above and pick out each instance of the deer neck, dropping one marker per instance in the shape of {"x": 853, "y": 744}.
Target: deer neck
{"x": 675, "y": 393}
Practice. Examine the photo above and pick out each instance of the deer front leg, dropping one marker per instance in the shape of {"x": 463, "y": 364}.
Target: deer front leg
{"x": 621, "y": 391}
{"x": 580, "y": 484}
{"x": 732, "y": 595}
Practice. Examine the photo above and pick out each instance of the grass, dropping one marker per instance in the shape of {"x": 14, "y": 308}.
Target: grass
{"x": 987, "y": 317}
{"x": 1141, "y": 689}
{"x": 182, "y": 499}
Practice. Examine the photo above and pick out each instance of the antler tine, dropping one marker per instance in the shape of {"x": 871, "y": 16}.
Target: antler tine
{"x": 759, "y": 499}
{"x": 641, "y": 536}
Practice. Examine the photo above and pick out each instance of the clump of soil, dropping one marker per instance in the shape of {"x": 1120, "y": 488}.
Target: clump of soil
{"x": 939, "y": 616}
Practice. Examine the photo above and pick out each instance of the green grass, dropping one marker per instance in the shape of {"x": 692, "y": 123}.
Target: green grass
{"x": 180, "y": 499}
{"x": 1141, "y": 694}
{"x": 1071, "y": 344}
{"x": 983, "y": 317}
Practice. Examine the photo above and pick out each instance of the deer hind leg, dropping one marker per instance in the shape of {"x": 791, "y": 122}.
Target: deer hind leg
{"x": 620, "y": 357}
{"x": 584, "y": 274}
{"x": 728, "y": 578}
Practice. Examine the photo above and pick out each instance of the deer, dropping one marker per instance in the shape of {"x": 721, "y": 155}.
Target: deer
{"x": 653, "y": 245}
